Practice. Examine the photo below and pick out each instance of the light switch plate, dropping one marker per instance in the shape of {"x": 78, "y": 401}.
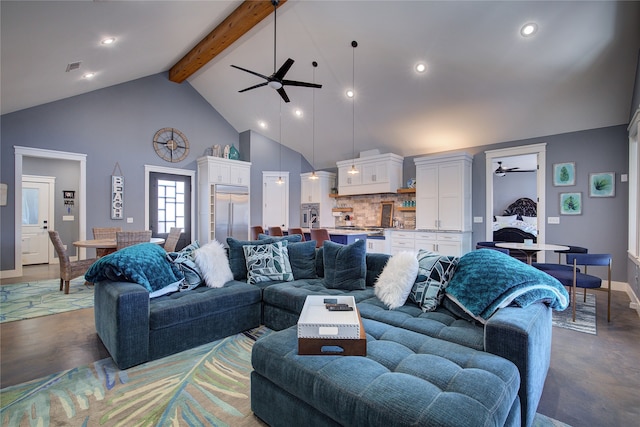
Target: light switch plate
{"x": 130, "y": 220}
{"x": 624, "y": 177}
{"x": 478, "y": 219}
{"x": 68, "y": 217}
{"x": 553, "y": 220}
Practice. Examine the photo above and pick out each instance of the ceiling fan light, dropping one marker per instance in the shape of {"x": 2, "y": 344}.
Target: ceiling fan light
{"x": 275, "y": 85}
{"x": 500, "y": 173}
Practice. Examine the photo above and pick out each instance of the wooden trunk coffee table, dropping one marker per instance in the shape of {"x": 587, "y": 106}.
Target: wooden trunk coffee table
{"x": 323, "y": 332}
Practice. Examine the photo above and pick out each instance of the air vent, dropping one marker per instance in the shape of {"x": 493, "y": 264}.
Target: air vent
{"x": 73, "y": 66}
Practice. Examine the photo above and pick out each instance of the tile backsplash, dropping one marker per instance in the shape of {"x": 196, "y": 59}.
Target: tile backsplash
{"x": 367, "y": 210}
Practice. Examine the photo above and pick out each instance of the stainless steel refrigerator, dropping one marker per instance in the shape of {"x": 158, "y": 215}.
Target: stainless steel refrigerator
{"x": 231, "y": 212}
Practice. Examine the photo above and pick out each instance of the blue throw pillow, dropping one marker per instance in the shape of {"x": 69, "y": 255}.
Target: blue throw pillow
{"x": 345, "y": 265}
{"x": 302, "y": 257}
{"x": 145, "y": 263}
{"x": 237, "y": 261}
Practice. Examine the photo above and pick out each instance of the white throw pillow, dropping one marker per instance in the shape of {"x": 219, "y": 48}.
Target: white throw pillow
{"x": 506, "y": 219}
{"x": 530, "y": 220}
{"x": 213, "y": 263}
{"x": 396, "y": 280}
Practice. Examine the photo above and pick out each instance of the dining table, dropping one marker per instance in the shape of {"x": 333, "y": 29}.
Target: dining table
{"x": 530, "y": 249}
{"x": 108, "y": 245}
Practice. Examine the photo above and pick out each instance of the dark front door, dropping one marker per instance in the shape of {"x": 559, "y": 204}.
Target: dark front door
{"x": 170, "y": 205}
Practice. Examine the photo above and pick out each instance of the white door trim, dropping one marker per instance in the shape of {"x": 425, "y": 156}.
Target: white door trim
{"x": 19, "y": 153}
{"x": 538, "y": 149}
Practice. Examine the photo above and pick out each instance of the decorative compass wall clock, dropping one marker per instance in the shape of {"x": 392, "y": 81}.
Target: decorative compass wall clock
{"x": 171, "y": 145}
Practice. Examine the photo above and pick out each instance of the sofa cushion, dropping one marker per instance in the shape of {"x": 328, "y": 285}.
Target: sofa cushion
{"x": 189, "y": 307}
{"x": 267, "y": 262}
{"x": 293, "y": 238}
{"x": 345, "y": 265}
{"x": 398, "y": 276}
{"x": 433, "y": 276}
{"x": 302, "y": 257}
{"x": 237, "y": 261}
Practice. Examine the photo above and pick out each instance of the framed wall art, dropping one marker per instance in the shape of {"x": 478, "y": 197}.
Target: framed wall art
{"x": 602, "y": 184}
{"x": 570, "y": 203}
{"x": 564, "y": 174}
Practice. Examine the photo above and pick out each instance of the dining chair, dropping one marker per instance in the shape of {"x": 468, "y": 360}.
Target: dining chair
{"x": 588, "y": 281}
{"x": 550, "y": 266}
{"x": 297, "y": 231}
{"x": 256, "y": 230}
{"x": 275, "y": 231}
{"x": 130, "y": 238}
{"x": 172, "y": 239}
{"x": 319, "y": 235}
{"x": 68, "y": 269}
{"x": 105, "y": 233}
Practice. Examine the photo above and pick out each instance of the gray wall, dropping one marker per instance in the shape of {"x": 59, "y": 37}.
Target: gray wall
{"x": 115, "y": 124}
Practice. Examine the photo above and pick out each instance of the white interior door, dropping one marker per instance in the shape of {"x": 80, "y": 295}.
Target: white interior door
{"x": 37, "y": 213}
{"x": 275, "y": 200}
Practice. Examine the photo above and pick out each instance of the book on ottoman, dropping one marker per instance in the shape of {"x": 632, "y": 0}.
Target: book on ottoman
{"x": 331, "y": 325}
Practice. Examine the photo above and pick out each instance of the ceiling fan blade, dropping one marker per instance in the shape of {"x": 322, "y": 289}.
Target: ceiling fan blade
{"x": 510, "y": 169}
{"x": 251, "y": 72}
{"x": 283, "y": 94}
{"x": 304, "y": 84}
{"x": 254, "y": 86}
{"x": 279, "y": 75}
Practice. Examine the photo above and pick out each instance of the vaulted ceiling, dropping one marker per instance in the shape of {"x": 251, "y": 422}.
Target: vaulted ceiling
{"x": 484, "y": 82}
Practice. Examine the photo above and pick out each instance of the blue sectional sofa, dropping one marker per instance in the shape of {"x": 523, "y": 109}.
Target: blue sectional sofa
{"x": 135, "y": 329}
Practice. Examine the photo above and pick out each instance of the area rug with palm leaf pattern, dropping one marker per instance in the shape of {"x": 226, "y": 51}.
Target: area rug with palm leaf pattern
{"x": 205, "y": 386}
{"x": 41, "y": 298}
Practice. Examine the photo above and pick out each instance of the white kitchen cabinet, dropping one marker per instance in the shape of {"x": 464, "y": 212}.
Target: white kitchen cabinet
{"x": 443, "y": 192}
{"x": 377, "y": 246}
{"x": 211, "y": 172}
{"x": 402, "y": 241}
{"x": 444, "y": 243}
{"x": 381, "y": 173}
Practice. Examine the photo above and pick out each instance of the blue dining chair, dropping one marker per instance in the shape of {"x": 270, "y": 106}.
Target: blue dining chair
{"x": 574, "y": 279}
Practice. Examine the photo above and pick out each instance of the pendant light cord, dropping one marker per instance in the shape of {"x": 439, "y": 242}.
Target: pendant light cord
{"x": 275, "y": 27}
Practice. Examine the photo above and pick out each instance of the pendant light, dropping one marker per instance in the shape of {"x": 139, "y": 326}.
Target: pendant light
{"x": 313, "y": 127}
{"x": 280, "y": 181}
{"x": 353, "y": 169}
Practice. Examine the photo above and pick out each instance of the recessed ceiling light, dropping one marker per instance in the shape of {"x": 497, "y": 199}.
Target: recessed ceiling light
{"x": 421, "y": 67}
{"x": 108, "y": 41}
{"x": 528, "y": 29}
{"x": 350, "y": 93}
{"x": 88, "y": 75}
{"x": 298, "y": 112}
{"x": 262, "y": 124}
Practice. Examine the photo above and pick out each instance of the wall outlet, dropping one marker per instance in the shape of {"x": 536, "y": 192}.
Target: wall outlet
{"x": 130, "y": 220}
{"x": 624, "y": 177}
{"x": 553, "y": 220}
{"x": 478, "y": 219}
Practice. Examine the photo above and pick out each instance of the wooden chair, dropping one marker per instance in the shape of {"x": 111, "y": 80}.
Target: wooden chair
{"x": 319, "y": 235}
{"x": 255, "y": 231}
{"x": 296, "y": 231}
{"x": 105, "y": 233}
{"x": 275, "y": 231}
{"x": 130, "y": 238}
{"x": 68, "y": 269}
{"x": 172, "y": 239}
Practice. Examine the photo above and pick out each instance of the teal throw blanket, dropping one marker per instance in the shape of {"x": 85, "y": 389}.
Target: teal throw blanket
{"x": 486, "y": 280}
{"x": 145, "y": 263}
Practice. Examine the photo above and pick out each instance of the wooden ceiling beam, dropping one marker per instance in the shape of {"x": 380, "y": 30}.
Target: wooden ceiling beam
{"x": 238, "y": 23}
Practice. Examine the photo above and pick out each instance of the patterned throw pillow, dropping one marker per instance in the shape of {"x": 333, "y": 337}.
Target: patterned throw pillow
{"x": 267, "y": 262}
{"x": 433, "y": 276}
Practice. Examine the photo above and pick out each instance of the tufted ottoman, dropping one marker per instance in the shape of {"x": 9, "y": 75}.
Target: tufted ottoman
{"x": 406, "y": 379}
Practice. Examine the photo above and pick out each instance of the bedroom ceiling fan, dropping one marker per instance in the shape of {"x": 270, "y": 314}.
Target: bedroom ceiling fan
{"x": 500, "y": 171}
{"x": 276, "y": 80}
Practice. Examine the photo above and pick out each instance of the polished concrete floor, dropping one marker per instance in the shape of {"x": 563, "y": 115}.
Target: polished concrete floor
{"x": 594, "y": 380}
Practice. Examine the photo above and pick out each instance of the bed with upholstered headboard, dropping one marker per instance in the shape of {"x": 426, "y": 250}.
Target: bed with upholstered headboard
{"x": 519, "y": 222}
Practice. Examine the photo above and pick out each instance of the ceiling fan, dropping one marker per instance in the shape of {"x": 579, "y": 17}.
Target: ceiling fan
{"x": 500, "y": 171}
{"x": 276, "y": 80}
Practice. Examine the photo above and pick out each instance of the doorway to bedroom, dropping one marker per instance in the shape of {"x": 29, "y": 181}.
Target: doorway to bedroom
{"x": 515, "y": 179}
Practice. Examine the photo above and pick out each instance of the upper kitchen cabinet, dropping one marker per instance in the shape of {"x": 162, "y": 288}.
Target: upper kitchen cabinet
{"x": 443, "y": 192}
{"x": 316, "y": 190}
{"x": 381, "y": 173}
{"x": 225, "y": 171}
